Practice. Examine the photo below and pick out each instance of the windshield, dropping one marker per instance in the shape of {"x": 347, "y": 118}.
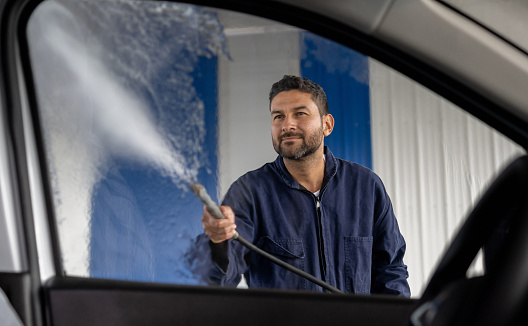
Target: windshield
{"x": 507, "y": 18}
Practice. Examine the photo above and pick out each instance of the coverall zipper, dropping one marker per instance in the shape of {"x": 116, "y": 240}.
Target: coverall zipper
{"x": 322, "y": 257}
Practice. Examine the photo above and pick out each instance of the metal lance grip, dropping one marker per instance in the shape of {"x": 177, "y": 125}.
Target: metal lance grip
{"x": 202, "y": 194}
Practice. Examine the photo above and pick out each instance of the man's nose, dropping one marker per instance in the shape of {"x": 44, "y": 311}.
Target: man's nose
{"x": 289, "y": 124}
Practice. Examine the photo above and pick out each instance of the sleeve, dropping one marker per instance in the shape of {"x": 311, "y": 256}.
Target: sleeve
{"x": 389, "y": 273}
{"x": 223, "y": 264}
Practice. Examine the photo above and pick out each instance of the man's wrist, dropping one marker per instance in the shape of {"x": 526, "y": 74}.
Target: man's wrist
{"x": 219, "y": 253}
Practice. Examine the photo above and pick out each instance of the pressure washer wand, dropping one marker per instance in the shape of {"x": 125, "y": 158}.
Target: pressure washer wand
{"x": 202, "y": 194}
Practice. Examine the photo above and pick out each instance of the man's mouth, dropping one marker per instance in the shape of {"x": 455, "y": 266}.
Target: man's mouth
{"x": 290, "y": 137}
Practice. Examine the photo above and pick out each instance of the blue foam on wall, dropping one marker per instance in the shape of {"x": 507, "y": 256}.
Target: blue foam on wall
{"x": 142, "y": 224}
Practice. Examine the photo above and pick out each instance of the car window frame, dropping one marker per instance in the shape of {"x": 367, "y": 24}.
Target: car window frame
{"x": 411, "y": 67}
{"x": 16, "y": 48}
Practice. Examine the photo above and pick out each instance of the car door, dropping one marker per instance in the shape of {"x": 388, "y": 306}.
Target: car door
{"x": 95, "y": 92}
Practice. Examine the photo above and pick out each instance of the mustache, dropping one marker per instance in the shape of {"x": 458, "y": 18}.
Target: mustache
{"x": 291, "y": 134}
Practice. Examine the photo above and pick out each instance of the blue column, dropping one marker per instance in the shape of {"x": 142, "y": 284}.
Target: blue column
{"x": 344, "y": 75}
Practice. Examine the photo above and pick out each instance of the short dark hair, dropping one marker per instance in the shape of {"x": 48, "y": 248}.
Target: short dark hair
{"x": 288, "y": 83}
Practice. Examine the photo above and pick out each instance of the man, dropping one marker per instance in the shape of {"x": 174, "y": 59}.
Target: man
{"x": 326, "y": 216}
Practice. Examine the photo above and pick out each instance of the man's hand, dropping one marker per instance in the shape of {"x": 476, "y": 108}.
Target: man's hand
{"x": 219, "y": 230}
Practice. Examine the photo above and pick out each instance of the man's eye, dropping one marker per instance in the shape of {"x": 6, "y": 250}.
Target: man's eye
{"x": 277, "y": 117}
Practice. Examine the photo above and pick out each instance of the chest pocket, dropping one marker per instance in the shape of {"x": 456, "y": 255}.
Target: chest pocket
{"x": 358, "y": 264}
{"x": 265, "y": 274}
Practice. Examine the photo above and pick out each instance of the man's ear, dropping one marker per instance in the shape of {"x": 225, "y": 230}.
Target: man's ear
{"x": 328, "y": 124}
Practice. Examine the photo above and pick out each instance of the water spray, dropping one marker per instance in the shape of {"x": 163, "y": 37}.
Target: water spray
{"x": 202, "y": 194}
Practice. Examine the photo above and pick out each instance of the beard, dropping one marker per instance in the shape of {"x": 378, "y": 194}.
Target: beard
{"x": 308, "y": 146}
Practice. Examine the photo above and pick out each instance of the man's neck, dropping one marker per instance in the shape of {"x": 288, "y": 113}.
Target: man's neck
{"x": 308, "y": 171}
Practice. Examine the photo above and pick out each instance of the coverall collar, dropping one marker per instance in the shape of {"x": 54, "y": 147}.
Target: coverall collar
{"x": 330, "y": 170}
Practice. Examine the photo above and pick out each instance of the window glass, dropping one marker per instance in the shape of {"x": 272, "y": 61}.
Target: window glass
{"x": 138, "y": 99}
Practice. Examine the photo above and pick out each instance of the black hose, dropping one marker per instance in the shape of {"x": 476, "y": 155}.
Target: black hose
{"x": 287, "y": 266}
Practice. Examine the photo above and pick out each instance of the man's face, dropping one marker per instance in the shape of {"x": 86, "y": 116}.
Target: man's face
{"x": 297, "y": 128}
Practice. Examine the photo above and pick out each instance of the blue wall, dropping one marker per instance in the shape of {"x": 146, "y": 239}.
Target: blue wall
{"x": 344, "y": 75}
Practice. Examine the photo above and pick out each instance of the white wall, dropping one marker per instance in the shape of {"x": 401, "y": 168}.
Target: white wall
{"x": 258, "y": 60}
{"x": 435, "y": 161}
